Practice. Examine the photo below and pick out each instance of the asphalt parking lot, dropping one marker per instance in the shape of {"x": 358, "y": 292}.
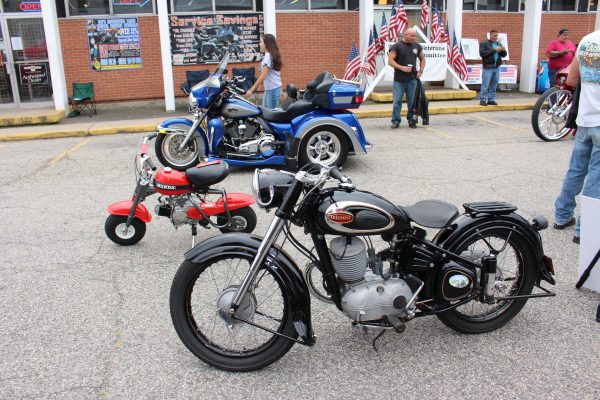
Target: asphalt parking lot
{"x": 82, "y": 318}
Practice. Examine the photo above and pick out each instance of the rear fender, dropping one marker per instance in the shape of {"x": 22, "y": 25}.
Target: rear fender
{"x": 343, "y": 121}
{"x": 235, "y": 201}
{"x": 160, "y": 128}
{"x": 467, "y": 225}
{"x": 279, "y": 263}
{"x": 122, "y": 208}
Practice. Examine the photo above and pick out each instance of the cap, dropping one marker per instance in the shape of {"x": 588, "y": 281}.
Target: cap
{"x": 563, "y": 31}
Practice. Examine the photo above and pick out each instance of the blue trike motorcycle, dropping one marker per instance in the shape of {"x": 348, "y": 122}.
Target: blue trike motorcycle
{"x": 226, "y": 126}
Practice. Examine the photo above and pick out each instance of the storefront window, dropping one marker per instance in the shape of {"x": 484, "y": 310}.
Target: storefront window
{"x": 132, "y": 7}
{"x": 516, "y": 5}
{"x": 327, "y": 4}
{"x": 353, "y": 5}
{"x": 491, "y": 5}
{"x": 562, "y": 5}
{"x": 89, "y": 7}
{"x": 593, "y": 5}
{"x": 234, "y": 5}
{"x": 108, "y": 7}
{"x": 22, "y": 6}
{"x": 469, "y": 5}
{"x": 291, "y": 5}
{"x": 192, "y": 5}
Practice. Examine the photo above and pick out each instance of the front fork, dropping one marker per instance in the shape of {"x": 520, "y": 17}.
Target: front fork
{"x": 139, "y": 195}
{"x": 198, "y": 118}
{"x": 268, "y": 241}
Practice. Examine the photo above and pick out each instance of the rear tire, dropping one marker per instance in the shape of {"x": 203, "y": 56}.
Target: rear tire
{"x": 114, "y": 228}
{"x": 166, "y": 150}
{"x": 324, "y": 145}
{"x": 551, "y": 127}
{"x": 516, "y": 268}
{"x": 243, "y": 220}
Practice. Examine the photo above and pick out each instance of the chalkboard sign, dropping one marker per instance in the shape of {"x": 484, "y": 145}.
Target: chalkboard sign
{"x": 114, "y": 43}
{"x": 204, "y": 39}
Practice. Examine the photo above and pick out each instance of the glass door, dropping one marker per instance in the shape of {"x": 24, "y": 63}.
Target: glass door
{"x": 6, "y": 86}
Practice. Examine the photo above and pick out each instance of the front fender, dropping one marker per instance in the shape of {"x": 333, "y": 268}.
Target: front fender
{"x": 172, "y": 121}
{"x": 122, "y": 208}
{"x": 467, "y": 225}
{"x": 279, "y": 263}
{"x": 345, "y": 121}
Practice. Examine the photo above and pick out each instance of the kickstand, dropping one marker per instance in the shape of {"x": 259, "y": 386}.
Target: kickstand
{"x": 377, "y": 337}
{"x": 194, "y": 233}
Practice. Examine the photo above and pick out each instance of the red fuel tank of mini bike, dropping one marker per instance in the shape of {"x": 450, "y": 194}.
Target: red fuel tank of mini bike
{"x": 171, "y": 182}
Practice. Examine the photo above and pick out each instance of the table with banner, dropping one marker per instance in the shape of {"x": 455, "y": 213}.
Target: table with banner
{"x": 508, "y": 74}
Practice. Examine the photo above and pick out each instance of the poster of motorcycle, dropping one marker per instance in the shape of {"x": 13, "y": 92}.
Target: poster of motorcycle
{"x": 114, "y": 43}
{"x": 203, "y": 39}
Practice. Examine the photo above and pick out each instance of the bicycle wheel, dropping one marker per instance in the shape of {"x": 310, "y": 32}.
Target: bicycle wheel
{"x": 550, "y": 114}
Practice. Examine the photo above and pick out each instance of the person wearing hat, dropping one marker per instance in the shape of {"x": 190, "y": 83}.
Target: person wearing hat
{"x": 560, "y": 54}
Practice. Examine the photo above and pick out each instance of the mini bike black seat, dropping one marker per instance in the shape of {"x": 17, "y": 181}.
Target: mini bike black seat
{"x": 208, "y": 173}
{"x": 295, "y": 109}
{"x": 431, "y": 213}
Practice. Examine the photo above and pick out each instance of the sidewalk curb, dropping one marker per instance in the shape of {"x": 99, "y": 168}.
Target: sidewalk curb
{"x": 49, "y": 118}
{"x": 62, "y": 133}
{"x": 437, "y": 95}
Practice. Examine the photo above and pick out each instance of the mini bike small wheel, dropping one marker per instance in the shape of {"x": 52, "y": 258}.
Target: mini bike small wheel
{"x": 242, "y": 220}
{"x": 115, "y": 228}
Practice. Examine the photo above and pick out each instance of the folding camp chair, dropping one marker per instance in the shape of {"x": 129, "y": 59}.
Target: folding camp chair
{"x": 192, "y": 78}
{"x": 250, "y": 78}
{"x": 83, "y": 98}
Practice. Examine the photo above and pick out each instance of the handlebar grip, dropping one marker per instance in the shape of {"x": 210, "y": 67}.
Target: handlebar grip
{"x": 151, "y": 164}
{"x": 152, "y": 136}
{"x": 335, "y": 173}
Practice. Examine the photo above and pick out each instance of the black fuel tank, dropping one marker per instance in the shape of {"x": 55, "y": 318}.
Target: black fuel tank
{"x": 358, "y": 212}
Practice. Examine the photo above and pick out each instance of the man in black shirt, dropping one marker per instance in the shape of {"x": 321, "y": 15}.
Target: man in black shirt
{"x": 403, "y": 58}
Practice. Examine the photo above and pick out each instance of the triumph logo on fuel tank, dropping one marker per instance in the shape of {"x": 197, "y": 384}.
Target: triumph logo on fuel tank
{"x": 340, "y": 217}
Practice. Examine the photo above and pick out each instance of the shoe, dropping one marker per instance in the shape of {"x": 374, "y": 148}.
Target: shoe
{"x": 425, "y": 122}
{"x": 576, "y": 239}
{"x": 492, "y": 103}
{"x": 395, "y": 125}
{"x": 560, "y": 227}
{"x": 412, "y": 125}
{"x": 482, "y": 103}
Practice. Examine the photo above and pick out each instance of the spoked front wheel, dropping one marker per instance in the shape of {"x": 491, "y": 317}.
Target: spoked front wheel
{"x": 515, "y": 275}
{"x": 550, "y": 114}
{"x": 201, "y": 296}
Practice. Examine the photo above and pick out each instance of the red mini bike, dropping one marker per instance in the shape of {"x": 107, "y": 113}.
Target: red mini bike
{"x": 183, "y": 199}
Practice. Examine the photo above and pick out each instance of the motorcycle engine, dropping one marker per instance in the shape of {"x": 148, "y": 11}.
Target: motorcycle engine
{"x": 175, "y": 208}
{"x": 367, "y": 296}
{"x": 241, "y": 131}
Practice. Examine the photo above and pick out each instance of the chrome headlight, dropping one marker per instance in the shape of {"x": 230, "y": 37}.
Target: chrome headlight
{"x": 192, "y": 101}
{"x": 269, "y": 187}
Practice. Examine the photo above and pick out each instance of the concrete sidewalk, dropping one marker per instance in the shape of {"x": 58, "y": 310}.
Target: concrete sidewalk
{"x": 144, "y": 116}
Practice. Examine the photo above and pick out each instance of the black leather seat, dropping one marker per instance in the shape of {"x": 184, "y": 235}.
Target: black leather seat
{"x": 295, "y": 109}
{"x": 431, "y": 213}
{"x": 205, "y": 174}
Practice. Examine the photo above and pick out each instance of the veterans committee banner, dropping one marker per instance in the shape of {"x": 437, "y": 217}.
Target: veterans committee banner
{"x": 435, "y": 62}
{"x": 114, "y": 43}
{"x": 204, "y": 39}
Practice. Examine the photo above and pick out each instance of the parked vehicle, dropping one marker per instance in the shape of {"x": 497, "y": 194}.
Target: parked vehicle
{"x": 320, "y": 130}
{"x": 184, "y": 199}
{"x": 239, "y": 302}
{"x": 551, "y": 110}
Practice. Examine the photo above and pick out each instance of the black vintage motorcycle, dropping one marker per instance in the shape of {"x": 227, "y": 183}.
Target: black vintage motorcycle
{"x": 239, "y": 302}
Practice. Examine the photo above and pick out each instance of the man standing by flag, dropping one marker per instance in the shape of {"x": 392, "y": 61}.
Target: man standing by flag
{"x": 491, "y": 52}
{"x": 403, "y": 58}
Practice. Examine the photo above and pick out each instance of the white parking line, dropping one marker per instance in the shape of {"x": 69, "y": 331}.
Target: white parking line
{"x": 68, "y": 151}
{"x": 439, "y": 133}
{"x": 498, "y": 123}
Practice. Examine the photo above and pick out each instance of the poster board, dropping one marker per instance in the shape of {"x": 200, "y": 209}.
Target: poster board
{"x": 203, "y": 39}
{"x": 590, "y": 240}
{"x": 33, "y": 74}
{"x": 474, "y": 74}
{"x": 436, "y": 59}
{"x": 503, "y": 39}
{"x": 471, "y": 48}
{"x": 508, "y": 74}
{"x": 114, "y": 43}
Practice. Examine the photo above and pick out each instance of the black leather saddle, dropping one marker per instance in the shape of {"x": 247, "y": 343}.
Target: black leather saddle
{"x": 295, "y": 109}
{"x": 208, "y": 173}
{"x": 431, "y": 213}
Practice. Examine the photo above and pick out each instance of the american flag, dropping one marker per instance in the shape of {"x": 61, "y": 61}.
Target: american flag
{"x": 424, "y": 16}
{"x": 508, "y": 74}
{"x": 461, "y": 69}
{"x": 366, "y": 67}
{"x": 436, "y": 31}
{"x": 378, "y": 44}
{"x": 474, "y": 73}
{"x": 372, "y": 51}
{"x": 383, "y": 32}
{"x": 354, "y": 63}
{"x": 402, "y": 19}
{"x": 455, "y": 54}
{"x": 446, "y": 40}
{"x": 393, "y": 30}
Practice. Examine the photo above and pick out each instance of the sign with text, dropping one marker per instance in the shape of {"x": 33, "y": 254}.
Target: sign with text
{"x": 435, "y": 62}
{"x": 114, "y": 43}
{"x": 33, "y": 74}
{"x": 204, "y": 39}
{"x": 474, "y": 74}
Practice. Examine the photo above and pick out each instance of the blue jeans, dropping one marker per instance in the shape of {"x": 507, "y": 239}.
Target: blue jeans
{"x": 399, "y": 89}
{"x": 489, "y": 81}
{"x": 585, "y": 160}
{"x": 552, "y": 76}
{"x": 271, "y": 98}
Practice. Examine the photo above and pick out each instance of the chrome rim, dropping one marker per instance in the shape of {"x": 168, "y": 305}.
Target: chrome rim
{"x": 509, "y": 278}
{"x": 237, "y": 224}
{"x": 210, "y": 298}
{"x": 553, "y": 116}
{"x": 177, "y": 158}
{"x": 323, "y": 147}
{"x": 123, "y": 233}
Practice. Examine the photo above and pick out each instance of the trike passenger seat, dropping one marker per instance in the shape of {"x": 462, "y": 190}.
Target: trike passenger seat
{"x": 208, "y": 173}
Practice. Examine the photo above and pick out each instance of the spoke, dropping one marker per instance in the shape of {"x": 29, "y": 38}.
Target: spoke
{"x": 234, "y": 271}
{"x": 214, "y": 281}
{"x": 267, "y": 316}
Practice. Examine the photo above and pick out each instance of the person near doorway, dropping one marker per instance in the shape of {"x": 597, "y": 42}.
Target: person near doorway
{"x": 491, "y": 52}
{"x": 584, "y": 166}
{"x": 270, "y": 72}
{"x": 403, "y": 58}
{"x": 560, "y": 54}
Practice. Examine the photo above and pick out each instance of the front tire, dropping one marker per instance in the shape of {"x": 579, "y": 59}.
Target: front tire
{"x": 515, "y": 275}
{"x": 166, "y": 148}
{"x": 324, "y": 145}
{"x": 242, "y": 220}
{"x": 114, "y": 227}
{"x": 546, "y": 119}
{"x": 199, "y": 291}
